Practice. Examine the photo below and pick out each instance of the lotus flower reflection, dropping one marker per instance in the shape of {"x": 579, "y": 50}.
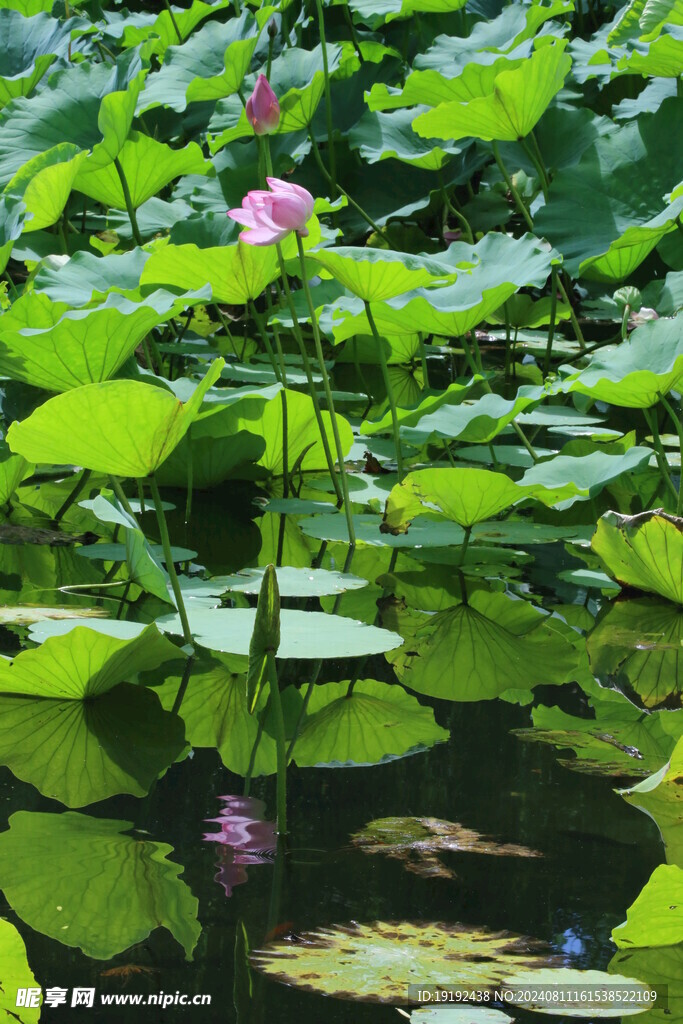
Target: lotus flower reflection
{"x": 245, "y": 837}
{"x": 270, "y": 216}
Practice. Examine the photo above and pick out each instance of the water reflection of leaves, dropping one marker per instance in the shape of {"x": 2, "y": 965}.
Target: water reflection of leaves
{"x": 417, "y": 842}
{"x": 81, "y": 881}
{"x": 636, "y": 646}
{"x": 618, "y": 741}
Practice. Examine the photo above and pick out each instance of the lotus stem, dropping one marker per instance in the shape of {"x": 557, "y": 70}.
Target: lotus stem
{"x": 337, "y": 187}
{"x": 572, "y": 315}
{"x": 174, "y": 22}
{"x": 317, "y": 666}
{"x": 71, "y": 497}
{"x": 511, "y": 187}
{"x": 551, "y": 326}
{"x": 128, "y": 201}
{"x": 328, "y": 394}
{"x": 309, "y": 377}
{"x": 538, "y": 164}
{"x": 328, "y": 97}
{"x": 281, "y": 744}
{"x": 679, "y": 430}
{"x": 651, "y": 420}
{"x": 123, "y": 500}
{"x": 190, "y": 477}
{"x": 395, "y": 425}
{"x": 168, "y": 558}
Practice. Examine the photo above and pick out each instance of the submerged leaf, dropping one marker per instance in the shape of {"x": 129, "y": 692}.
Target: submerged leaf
{"x": 418, "y": 842}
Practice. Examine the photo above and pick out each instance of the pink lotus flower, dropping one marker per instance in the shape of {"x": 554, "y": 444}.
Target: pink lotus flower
{"x": 263, "y": 109}
{"x": 270, "y": 216}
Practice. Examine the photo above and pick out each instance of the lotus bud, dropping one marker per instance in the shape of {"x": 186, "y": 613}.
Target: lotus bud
{"x": 263, "y": 109}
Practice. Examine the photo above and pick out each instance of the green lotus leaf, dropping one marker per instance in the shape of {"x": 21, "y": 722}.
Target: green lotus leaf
{"x": 30, "y": 46}
{"x": 83, "y": 664}
{"x": 620, "y": 741}
{"x": 521, "y": 311}
{"x": 303, "y": 634}
{"x": 50, "y": 346}
{"x": 87, "y": 278}
{"x": 659, "y": 796}
{"x": 214, "y": 710}
{"x": 122, "y": 427}
{"x": 385, "y": 11}
{"x": 294, "y": 582}
{"x": 476, "y": 651}
{"x": 13, "y": 469}
{"x": 662, "y": 57}
{"x": 303, "y": 436}
{"x": 434, "y": 88}
{"x": 83, "y": 751}
{"x": 640, "y": 16}
{"x": 377, "y": 962}
{"x": 86, "y": 884}
{"x": 73, "y": 729}
{"x": 423, "y": 531}
{"x": 634, "y": 374}
{"x": 209, "y": 65}
{"x": 162, "y": 30}
{"x": 377, "y": 274}
{"x": 27, "y": 7}
{"x": 44, "y": 184}
{"x": 654, "y": 918}
{"x": 210, "y": 453}
{"x": 390, "y": 136}
{"x": 144, "y": 566}
{"x": 569, "y": 478}
{"x": 12, "y": 216}
{"x": 643, "y": 551}
{"x": 236, "y": 273}
{"x": 298, "y": 80}
{"x": 662, "y": 971}
{"x": 475, "y": 420}
{"x": 16, "y": 974}
{"x": 90, "y": 106}
{"x": 636, "y": 646}
{"x": 375, "y": 723}
{"x": 499, "y": 265}
{"x": 148, "y": 165}
{"x": 512, "y": 107}
{"x": 607, "y": 213}
{"x": 466, "y": 496}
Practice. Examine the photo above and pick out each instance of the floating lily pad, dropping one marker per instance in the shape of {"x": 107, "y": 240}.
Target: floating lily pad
{"x": 86, "y": 884}
{"x": 375, "y": 723}
{"x": 295, "y": 582}
{"x": 377, "y": 962}
{"x": 304, "y": 634}
{"x": 419, "y": 842}
{"x": 643, "y": 551}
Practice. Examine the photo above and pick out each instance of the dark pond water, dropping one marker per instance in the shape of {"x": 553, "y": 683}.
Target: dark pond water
{"x": 598, "y": 851}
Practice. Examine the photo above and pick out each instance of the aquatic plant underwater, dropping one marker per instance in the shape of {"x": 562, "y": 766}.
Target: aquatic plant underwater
{"x": 341, "y": 350}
